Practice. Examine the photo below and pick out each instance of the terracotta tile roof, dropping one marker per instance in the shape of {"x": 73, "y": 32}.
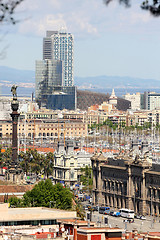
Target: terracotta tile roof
{"x": 40, "y": 235}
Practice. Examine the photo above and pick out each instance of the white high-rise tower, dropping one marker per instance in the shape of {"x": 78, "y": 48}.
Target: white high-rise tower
{"x": 58, "y": 45}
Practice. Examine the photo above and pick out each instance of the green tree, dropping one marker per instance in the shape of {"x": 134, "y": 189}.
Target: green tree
{"x": 7, "y": 156}
{"x": 1, "y": 156}
{"x": 34, "y": 162}
{"x": 86, "y": 176}
{"x": 153, "y": 6}
{"x": 7, "y": 10}
{"x": 45, "y": 194}
{"x": 79, "y": 209}
{"x": 62, "y": 196}
{"x": 48, "y": 164}
{"x": 25, "y": 160}
{"x": 15, "y": 202}
{"x": 147, "y": 125}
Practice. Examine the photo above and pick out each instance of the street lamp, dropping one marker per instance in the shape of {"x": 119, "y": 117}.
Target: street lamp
{"x": 31, "y": 158}
{"x": 50, "y": 204}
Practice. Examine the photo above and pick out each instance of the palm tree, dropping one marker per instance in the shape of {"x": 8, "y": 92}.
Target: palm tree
{"x": 48, "y": 164}
{"x": 7, "y": 156}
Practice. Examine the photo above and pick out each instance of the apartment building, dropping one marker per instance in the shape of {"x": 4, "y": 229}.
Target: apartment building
{"x": 135, "y": 100}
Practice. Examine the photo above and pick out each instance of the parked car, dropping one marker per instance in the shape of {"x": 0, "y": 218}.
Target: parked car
{"x": 95, "y": 208}
{"x": 137, "y": 216}
{"x": 85, "y": 208}
{"x": 106, "y": 213}
{"x": 104, "y": 209}
{"x": 112, "y": 213}
{"x": 117, "y": 214}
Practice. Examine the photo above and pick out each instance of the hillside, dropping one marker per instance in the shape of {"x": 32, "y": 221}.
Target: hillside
{"x": 25, "y": 79}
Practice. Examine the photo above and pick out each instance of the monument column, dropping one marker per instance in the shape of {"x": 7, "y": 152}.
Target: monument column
{"x": 14, "y": 116}
{"x": 14, "y": 172}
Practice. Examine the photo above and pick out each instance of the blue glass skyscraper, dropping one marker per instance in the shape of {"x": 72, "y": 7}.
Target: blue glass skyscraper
{"x": 58, "y": 45}
{"x": 54, "y": 74}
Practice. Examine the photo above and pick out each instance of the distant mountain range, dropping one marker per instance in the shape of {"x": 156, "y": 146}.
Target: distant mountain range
{"x": 116, "y": 82}
{"x": 16, "y": 76}
{"x": 25, "y": 79}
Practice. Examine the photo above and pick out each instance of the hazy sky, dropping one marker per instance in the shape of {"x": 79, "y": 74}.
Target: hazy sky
{"x": 109, "y": 40}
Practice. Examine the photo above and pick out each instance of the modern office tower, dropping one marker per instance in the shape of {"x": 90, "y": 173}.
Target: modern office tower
{"x": 48, "y": 75}
{"x": 62, "y": 98}
{"x": 54, "y": 74}
{"x": 58, "y": 45}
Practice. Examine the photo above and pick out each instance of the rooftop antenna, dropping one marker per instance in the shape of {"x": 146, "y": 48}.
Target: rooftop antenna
{"x": 32, "y": 96}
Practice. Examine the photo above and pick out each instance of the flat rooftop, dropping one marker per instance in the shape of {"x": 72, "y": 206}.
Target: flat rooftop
{"x": 32, "y": 214}
{"x": 99, "y": 230}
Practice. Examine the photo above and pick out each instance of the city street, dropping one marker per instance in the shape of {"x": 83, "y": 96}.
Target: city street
{"x": 140, "y": 225}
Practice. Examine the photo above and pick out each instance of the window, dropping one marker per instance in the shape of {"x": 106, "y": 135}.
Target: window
{"x": 72, "y": 174}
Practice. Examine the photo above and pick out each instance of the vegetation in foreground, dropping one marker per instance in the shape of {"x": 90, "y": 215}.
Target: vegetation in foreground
{"x": 45, "y": 194}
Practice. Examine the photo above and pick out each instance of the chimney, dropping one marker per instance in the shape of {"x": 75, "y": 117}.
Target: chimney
{"x": 127, "y": 235}
{"x": 136, "y": 237}
{"x": 145, "y": 237}
{"x": 75, "y": 232}
{"x": 134, "y": 232}
{"x": 69, "y": 147}
{"x": 60, "y": 147}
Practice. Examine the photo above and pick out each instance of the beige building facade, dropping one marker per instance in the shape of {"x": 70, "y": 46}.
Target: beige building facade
{"x": 45, "y": 128}
{"x": 65, "y": 168}
{"x": 127, "y": 182}
{"x": 67, "y": 163}
{"x": 135, "y": 100}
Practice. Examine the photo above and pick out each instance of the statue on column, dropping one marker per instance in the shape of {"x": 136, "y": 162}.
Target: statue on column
{"x": 14, "y": 92}
{"x": 14, "y": 172}
{"x": 14, "y": 101}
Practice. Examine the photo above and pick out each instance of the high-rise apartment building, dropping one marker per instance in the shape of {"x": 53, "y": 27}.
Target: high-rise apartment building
{"x": 58, "y": 45}
{"x": 135, "y": 100}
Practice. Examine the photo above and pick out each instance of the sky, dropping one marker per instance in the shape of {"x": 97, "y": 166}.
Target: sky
{"x": 108, "y": 40}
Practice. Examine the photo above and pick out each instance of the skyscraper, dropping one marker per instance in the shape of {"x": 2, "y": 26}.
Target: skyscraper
{"x": 48, "y": 75}
{"x": 58, "y": 45}
{"x": 54, "y": 74}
